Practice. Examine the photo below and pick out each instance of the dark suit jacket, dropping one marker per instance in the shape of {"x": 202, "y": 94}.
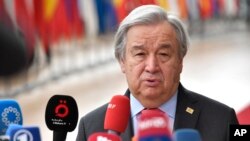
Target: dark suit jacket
{"x": 210, "y": 118}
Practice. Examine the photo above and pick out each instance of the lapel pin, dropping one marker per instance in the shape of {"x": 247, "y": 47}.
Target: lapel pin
{"x": 190, "y": 110}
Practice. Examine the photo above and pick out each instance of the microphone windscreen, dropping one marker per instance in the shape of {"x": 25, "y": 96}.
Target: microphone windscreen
{"x": 61, "y": 113}
{"x": 25, "y": 133}
{"x": 187, "y": 135}
{"x": 103, "y": 137}
{"x": 152, "y": 126}
{"x": 13, "y": 53}
{"x": 10, "y": 113}
{"x": 11, "y": 127}
{"x": 117, "y": 114}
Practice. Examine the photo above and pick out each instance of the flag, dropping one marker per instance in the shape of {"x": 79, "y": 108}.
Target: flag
{"x": 26, "y": 26}
{"x": 205, "y": 9}
{"x": 88, "y": 14}
{"x": 193, "y": 10}
{"x": 4, "y": 16}
{"x": 164, "y": 4}
{"x": 107, "y": 18}
{"x": 73, "y": 16}
{"x": 183, "y": 9}
{"x": 121, "y": 9}
{"x": 49, "y": 7}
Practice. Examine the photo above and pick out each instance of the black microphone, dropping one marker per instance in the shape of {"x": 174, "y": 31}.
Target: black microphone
{"x": 61, "y": 116}
{"x": 13, "y": 53}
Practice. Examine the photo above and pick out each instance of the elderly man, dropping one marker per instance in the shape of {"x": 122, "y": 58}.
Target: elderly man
{"x": 150, "y": 45}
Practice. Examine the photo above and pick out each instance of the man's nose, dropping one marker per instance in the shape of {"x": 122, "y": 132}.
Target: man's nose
{"x": 152, "y": 64}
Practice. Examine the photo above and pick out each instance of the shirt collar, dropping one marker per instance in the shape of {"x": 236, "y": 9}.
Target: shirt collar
{"x": 168, "y": 107}
{"x": 135, "y": 105}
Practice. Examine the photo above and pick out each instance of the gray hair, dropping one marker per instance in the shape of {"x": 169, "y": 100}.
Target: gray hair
{"x": 145, "y": 15}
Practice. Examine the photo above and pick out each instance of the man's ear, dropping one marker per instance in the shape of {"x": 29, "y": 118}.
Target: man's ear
{"x": 122, "y": 65}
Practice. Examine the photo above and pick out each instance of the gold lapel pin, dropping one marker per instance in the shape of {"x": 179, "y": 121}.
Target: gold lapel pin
{"x": 190, "y": 110}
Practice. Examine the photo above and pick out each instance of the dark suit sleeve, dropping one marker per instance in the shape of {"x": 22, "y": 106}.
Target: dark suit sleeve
{"x": 81, "y": 131}
{"x": 91, "y": 123}
{"x": 233, "y": 120}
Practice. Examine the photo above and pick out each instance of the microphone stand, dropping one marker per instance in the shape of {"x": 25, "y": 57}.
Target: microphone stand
{"x": 59, "y": 136}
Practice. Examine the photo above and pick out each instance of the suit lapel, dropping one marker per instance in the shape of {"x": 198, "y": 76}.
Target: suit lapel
{"x": 129, "y": 133}
{"x": 187, "y": 110}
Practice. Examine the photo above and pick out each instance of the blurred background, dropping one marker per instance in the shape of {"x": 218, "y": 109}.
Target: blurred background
{"x": 50, "y": 47}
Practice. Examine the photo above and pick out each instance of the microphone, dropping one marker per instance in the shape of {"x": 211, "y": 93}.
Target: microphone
{"x": 187, "y": 135}
{"x": 13, "y": 53}
{"x": 24, "y": 133}
{"x": 11, "y": 127}
{"x": 104, "y": 137}
{"x": 10, "y": 113}
{"x": 6, "y": 137}
{"x": 117, "y": 114}
{"x": 152, "y": 126}
{"x": 61, "y": 116}
{"x": 116, "y": 120}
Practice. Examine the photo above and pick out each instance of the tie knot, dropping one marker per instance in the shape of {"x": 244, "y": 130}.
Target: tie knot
{"x": 151, "y": 110}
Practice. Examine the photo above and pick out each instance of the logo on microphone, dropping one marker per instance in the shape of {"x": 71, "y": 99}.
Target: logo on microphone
{"x": 111, "y": 106}
{"x": 23, "y": 135}
{"x": 156, "y": 122}
{"x": 62, "y": 109}
{"x": 101, "y": 138}
{"x": 11, "y": 115}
